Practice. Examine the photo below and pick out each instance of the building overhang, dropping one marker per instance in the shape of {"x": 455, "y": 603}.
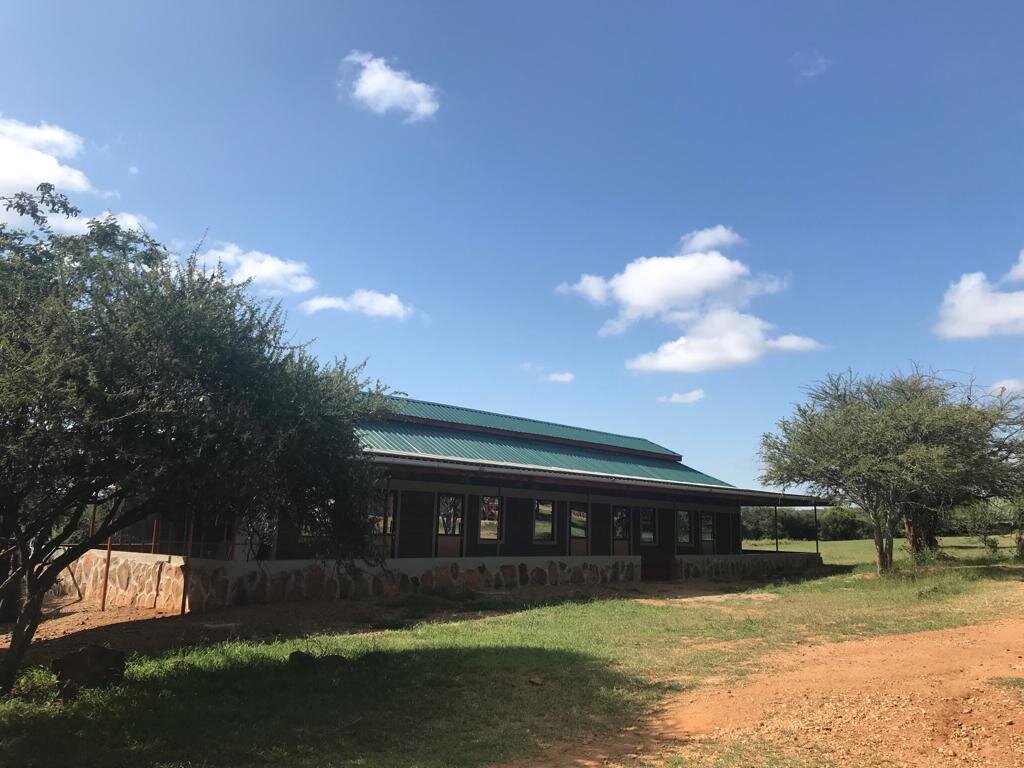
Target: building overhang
{"x": 479, "y": 467}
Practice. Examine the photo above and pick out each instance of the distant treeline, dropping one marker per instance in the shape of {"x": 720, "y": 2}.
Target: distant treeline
{"x": 834, "y": 523}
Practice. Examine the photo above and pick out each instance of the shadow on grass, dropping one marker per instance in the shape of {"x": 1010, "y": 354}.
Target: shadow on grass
{"x": 243, "y": 704}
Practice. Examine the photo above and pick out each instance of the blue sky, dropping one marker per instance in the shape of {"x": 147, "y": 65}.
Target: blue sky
{"x": 760, "y": 192}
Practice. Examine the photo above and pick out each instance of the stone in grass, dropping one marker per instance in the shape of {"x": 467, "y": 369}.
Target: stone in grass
{"x": 91, "y": 666}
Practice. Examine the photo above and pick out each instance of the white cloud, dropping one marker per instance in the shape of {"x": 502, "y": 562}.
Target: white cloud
{"x": 676, "y": 288}
{"x": 809, "y": 64}
{"x": 973, "y": 307}
{"x": 33, "y": 154}
{"x": 267, "y": 273}
{"x": 133, "y": 170}
{"x": 564, "y": 377}
{"x": 683, "y": 398}
{"x": 382, "y": 89}
{"x": 709, "y": 238}
{"x": 1010, "y": 386}
{"x": 723, "y": 338}
{"x": 364, "y": 302}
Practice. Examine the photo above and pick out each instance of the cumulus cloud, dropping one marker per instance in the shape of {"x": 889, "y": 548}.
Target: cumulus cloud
{"x": 363, "y": 302}
{"x": 724, "y": 338}
{"x": 32, "y": 154}
{"x": 267, "y": 273}
{"x": 973, "y": 306}
{"x": 675, "y": 288}
{"x": 562, "y": 377}
{"x": 699, "y": 289}
{"x": 809, "y": 64}
{"x": 683, "y": 398}
{"x": 380, "y": 88}
{"x": 133, "y": 170}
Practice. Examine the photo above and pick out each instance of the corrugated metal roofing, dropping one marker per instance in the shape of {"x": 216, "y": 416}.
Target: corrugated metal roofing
{"x": 454, "y": 414}
{"x": 454, "y": 443}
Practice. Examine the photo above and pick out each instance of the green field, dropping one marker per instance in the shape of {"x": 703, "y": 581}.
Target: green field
{"x": 485, "y": 687}
{"x": 862, "y": 551}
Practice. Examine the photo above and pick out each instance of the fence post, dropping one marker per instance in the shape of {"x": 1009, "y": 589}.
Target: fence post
{"x": 156, "y": 528}
{"x": 776, "y": 526}
{"x": 817, "y": 548}
{"x": 106, "y": 574}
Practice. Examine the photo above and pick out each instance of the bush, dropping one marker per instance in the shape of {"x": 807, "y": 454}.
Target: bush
{"x": 841, "y": 523}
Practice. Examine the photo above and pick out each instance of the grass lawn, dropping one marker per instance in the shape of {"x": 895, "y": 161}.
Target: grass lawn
{"x": 476, "y": 690}
{"x": 861, "y": 552}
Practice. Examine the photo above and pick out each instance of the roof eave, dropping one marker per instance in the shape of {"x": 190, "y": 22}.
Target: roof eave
{"x": 744, "y": 497}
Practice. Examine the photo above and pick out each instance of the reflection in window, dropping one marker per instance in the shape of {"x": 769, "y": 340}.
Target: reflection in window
{"x": 449, "y": 515}
{"x": 620, "y": 523}
{"x": 577, "y": 520}
{"x": 684, "y": 528}
{"x": 707, "y": 527}
{"x": 543, "y": 521}
{"x": 490, "y": 518}
{"x": 383, "y": 513}
{"x": 648, "y": 526}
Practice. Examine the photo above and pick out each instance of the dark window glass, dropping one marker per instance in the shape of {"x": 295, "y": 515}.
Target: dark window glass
{"x": 490, "y": 518}
{"x": 449, "y": 515}
{"x": 578, "y": 520}
{"x": 684, "y": 528}
{"x": 620, "y": 523}
{"x": 707, "y": 527}
{"x": 543, "y": 521}
{"x": 648, "y": 526}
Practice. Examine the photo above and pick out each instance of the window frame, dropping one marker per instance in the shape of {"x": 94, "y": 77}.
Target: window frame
{"x": 479, "y": 520}
{"x": 585, "y": 508}
{"x": 688, "y": 513}
{"x": 551, "y": 537}
{"x": 714, "y": 527}
{"x": 461, "y": 518}
{"x": 616, "y": 508}
{"x": 653, "y": 511}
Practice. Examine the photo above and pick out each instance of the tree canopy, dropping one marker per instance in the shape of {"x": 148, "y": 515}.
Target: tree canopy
{"x": 140, "y": 383}
{"x": 905, "y": 449}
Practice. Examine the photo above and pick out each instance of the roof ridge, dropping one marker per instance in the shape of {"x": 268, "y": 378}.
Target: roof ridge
{"x": 527, "y": 418}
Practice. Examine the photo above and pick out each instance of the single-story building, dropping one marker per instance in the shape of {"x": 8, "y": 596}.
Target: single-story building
{"x": 484, "y": 500}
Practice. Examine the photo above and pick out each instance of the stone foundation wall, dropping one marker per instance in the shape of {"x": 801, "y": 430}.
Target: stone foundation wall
{"x": 747, "y": 565}
{"x": 156, "y": 581}
{"x": 137, "y": 580}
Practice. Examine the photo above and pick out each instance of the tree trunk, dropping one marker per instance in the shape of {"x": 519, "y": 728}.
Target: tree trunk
{"x": 883, "y": 549}
{"x": 10, "y": 598}
{"x": 921, "y": 527}
{"x": 21, "y": 638}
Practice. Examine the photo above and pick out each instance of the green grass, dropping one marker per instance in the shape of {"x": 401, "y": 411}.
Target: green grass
{"x": 862, "y": 551}
{"x": 476, "y": 690}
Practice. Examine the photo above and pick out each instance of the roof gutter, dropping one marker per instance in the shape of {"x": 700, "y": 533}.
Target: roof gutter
{"x": 403, "y": 458}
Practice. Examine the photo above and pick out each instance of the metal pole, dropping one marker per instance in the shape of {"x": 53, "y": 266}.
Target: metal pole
{"x": 106, "y": 574}
{"x": 776, "y": 526}
{"x": 816, "y": 537}
{"x": 156, "y": 529}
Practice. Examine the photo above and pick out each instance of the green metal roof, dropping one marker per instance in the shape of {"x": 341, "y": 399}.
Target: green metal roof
{"x": 426, "y": 440}
{"x": 453, "y": 414}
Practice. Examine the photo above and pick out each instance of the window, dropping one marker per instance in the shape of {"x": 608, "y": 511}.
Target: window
{"x": 383, "y": 514}
{"x": 543, "y": 521}
{"x": 707, "y": 527}
{"x": 648, "y": 526}
{"x": 620, "y": 523}
{"x": 490, "y": 518}
{"x": 449, "y": 515}
{"x": 577, "y": 520}
{"x": 684, "y": 528}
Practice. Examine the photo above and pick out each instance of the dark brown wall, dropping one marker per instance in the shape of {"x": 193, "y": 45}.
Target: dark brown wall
{"x": 416, "y": 524}
{"x": 600, "y": 529}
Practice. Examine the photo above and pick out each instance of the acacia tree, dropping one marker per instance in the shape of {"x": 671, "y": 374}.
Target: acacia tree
{"x": 136, "y": 384}
{"x": 906, "y": 450}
